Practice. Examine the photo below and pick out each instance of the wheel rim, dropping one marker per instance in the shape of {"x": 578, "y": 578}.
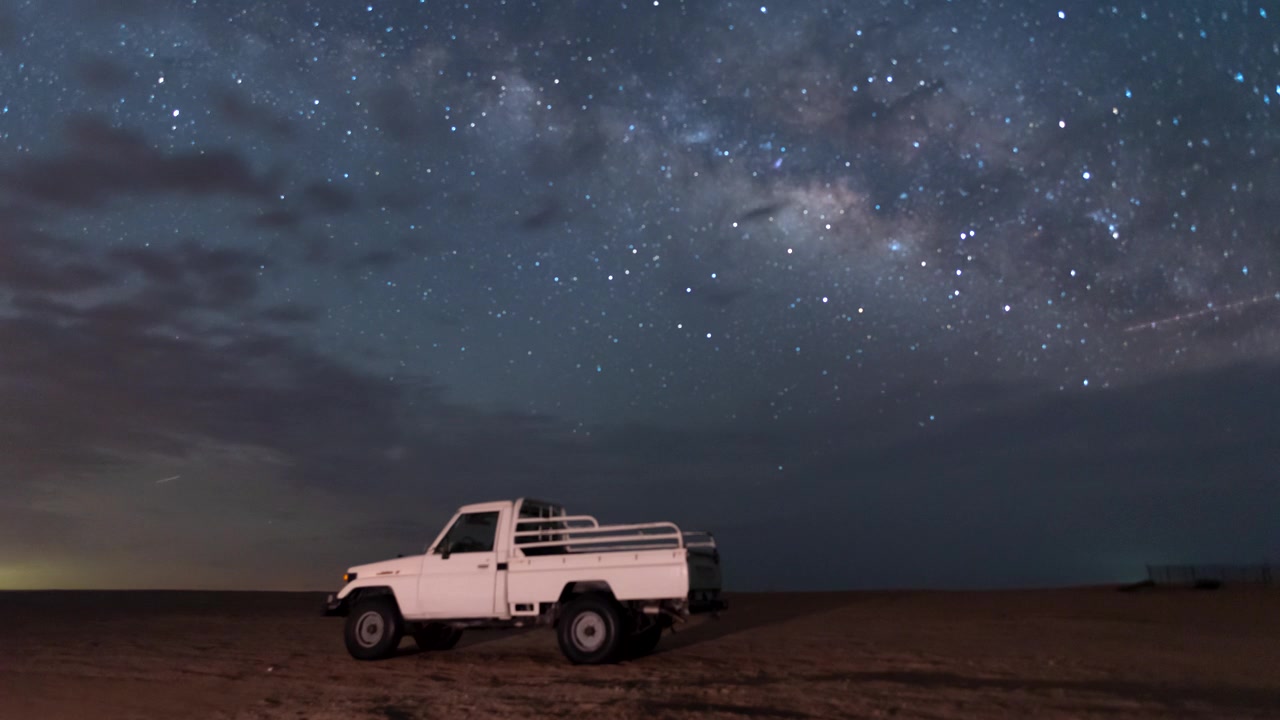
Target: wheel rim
{"x": 589, "y": 631}
{"x": 370, "y": 629}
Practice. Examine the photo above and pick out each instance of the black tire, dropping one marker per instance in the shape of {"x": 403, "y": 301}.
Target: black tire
{"x": 591, "y": 631}
{"x": 642, "y": 643}
{"x": 373, "y": 629}
{"x": 436, "y": 636}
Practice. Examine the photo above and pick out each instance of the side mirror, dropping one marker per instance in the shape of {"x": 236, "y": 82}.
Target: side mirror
{"x": 443, "y": 549}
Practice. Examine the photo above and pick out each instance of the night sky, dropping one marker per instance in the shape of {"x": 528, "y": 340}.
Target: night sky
{"x": 884, "y": 294}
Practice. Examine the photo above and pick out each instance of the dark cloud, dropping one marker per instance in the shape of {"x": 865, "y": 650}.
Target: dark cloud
{"x": 419, "y": 243}
{"x": 29, "y": 273}
{"x": 8, "y": 30}
{"x": 102, "y": 385}
{"x": 120, "y": 9}
{"x": 763, "y": 212}
{"x": 317, "y": 249}
{"x": 105, "y": 161}
{"x": 205, "y": 277}
{"x": 544, "y": 215}
{"x": 319, "y": 200}
{"x": 32, "y": 261}
{"x": 242, "y": 113}
{"x": 328, "y": 198}
{"x": 276, "y": 219}
{"x": 19, "y": 216}
{"x": 1072, "y": 481}
{"x": 157, "y": 373}
{"x": 1022, "y": 487}
{"x": 581, "y": 150}
{"x": 375, "y": 260}
{"x": 401, "y": 199}
{"x": 103, "y": 74}
{"x": 1017, "y": 489}
{"x": 290, "y": 314}
{"x": 402, "y": 117}
{"x": 158, "y": 266}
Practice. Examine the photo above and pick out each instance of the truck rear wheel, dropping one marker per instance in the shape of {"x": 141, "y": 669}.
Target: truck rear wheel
{"x": 590, "y": 630}
{"x": 436, "y": 636}
{"x": 373, "y": 629}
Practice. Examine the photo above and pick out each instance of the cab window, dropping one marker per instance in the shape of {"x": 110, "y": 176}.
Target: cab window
{"x": 471, "y": 533}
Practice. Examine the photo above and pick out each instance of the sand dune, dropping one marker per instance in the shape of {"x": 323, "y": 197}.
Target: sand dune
{"x": 1047, "y": 654}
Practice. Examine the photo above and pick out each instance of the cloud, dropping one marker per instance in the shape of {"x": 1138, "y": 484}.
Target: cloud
{"x": 37, "y": 262}
{"x": 102, "y": 386}
{"x": 104, "y": 74}
{"x": 174, "y": 353}
{"x": 109, "y": 355}
{"x": 277, "y": 220}
{"x": 328, "y": 198}
{"x": 1016, "y": 486}
{"x": 9, "y": 31}
{"x": 402, "y": 117}
{"x": 545, "y": 214}
{"x": 192, "y": 276}
{"x": 104, "y": 162}
{"x": 290, "y": 315}
{"x": 1093, "y": 482}
{"x": 242, "y": 113}
{"x": 375, "y": 260}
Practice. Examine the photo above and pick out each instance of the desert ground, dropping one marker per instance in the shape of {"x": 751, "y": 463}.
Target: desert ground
{"x": 1079, "y": 653}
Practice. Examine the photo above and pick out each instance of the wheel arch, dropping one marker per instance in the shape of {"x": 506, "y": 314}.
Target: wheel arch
{"x": 362, "y": 594}
{"x": 583, "y": 587}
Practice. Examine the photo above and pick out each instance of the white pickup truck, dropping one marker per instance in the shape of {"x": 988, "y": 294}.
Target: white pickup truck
{"x": 609, "y": 590}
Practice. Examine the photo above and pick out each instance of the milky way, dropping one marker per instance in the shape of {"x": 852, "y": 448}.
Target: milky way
{"x": 299, "y": 276}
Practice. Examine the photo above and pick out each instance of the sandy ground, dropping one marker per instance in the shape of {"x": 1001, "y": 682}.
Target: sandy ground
{"x": 1044, "y": 654}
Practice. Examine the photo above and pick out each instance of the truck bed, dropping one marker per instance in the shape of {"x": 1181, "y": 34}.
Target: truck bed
{"x": 649, "y": 561}
{"x": 630, "y": 574}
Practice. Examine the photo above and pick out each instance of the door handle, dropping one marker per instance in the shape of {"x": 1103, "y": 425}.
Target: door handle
{"x": 483, "y": 565}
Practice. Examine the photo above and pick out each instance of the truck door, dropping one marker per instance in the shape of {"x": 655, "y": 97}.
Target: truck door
{"x": 459, "y": 574}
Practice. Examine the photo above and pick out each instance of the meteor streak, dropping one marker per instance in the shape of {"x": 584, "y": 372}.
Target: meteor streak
{"x": 1210, "y": 309}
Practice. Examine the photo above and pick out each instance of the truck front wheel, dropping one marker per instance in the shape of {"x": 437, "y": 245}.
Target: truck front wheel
{"x": 590, "y": 630}
{"x": 373, "y": 629}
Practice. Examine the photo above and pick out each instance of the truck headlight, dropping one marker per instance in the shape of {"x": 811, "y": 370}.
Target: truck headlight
{"x": 348, "y": 577}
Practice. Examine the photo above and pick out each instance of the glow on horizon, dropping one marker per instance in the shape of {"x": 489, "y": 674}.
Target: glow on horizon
{"x": 43, "y": 576}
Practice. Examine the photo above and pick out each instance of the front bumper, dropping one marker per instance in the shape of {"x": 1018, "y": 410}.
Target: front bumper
{"x": 335, "y": 607}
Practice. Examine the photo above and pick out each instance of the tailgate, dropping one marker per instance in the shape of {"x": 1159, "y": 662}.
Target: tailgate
{"x": 704, "y": 570}
{"x": 705, "y": 579}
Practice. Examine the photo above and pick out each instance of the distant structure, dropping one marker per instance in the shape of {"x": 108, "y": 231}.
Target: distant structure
{"x": 1201, "y": 575}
